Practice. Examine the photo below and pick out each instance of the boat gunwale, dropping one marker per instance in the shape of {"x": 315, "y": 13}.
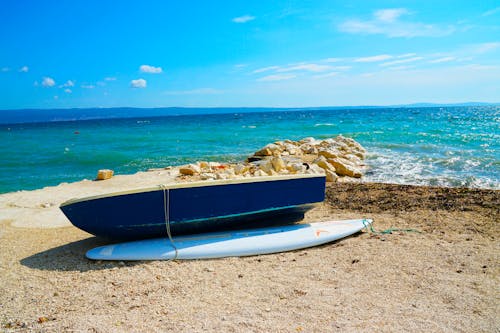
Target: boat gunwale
{"x": 201, "y": 183}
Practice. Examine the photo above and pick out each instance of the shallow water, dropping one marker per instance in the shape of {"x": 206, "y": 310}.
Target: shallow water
{"x": 450, "y": 146}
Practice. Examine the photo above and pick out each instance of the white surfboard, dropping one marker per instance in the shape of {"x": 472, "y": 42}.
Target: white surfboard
{"x": 231, "y": 243}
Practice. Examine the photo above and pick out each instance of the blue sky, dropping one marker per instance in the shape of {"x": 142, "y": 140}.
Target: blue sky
{"x": 65, "y": 54}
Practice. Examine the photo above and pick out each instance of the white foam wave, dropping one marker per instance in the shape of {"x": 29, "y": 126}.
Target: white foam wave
{"x": 388, "y": 166}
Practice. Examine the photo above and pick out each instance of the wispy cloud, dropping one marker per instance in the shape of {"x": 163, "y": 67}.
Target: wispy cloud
{"x": 266, "y": 69}
{"x": 87, "y": 86}
{"x": 277, "y": 77}
{"x": 389, "y": 15}
{"x": 441, "y": 60}
{"x": 139, "y": 83}
{"x": 110, "y": 78}
{"x": 199, "y": 91}
{"x": 24, "y": 69}
{"x": 150, "y": 69}
{"x": 48, "y": 82}
{"x": 389, "y": 22}
{"x": 243, "y": 19}
{"x": 492, "y": 11}
{"x": 380, "y": 57}
{"x": 68, "y": 83}
{"x": 485, "y": 47}
{"x": 401, "y": 61}
{"x": 5, "y": 69}
{"x": 68, "y": 91}
{"x": 305, "y": 67}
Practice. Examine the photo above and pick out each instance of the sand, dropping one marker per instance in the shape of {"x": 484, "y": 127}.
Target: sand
{"x": 444, "y": 278}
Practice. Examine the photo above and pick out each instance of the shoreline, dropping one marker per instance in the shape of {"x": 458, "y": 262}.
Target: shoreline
{"x": 443, "y": 278}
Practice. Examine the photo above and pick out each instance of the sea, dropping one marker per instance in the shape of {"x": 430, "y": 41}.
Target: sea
{"x": 455, "y": 146}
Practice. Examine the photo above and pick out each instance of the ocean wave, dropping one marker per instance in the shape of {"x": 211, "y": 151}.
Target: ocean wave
{"x": 387, "y": 166}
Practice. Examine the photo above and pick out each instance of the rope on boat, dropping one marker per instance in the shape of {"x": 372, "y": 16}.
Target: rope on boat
{"x": 166, "y": 211}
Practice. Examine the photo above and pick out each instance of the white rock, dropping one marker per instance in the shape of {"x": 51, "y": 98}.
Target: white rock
{"x": 328, "y": 152}
{"x": 344, "y": 169}
{"x": 323, "y": 163}
{"x": 278, "y": 164}
{"x": 316, "y": 169}
{"x": 241, "y": 169}
{"x": 296, "y": 168}
{"x": 331, "y": 176}
{"x": 260, "y": 173}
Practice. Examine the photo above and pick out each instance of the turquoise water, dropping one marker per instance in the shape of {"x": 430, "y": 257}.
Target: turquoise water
{"x": 451, "y": 146}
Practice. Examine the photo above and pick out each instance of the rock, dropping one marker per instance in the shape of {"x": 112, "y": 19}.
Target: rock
{"x": 307, "y": 148}
{"x": 309, "y": 140}
{"x": 268, "y": 150}
{"x": 292, "y": 149}
{"x": 278, "y": 164}
{"x": 296, "y": 168}
{"x": 323, "y": 163}
{"x": 208, "y": 176}
{"x": 328, "y": 153}
{"x": 315, "y": 169}
{"x": 344, "y": 169}
{"x": 353, "y": 158}
{"x": 260, "y": 173}
{"x": 241, "y": 169}
{"x": 190, "y": 170}
{"x": 104, "y": 174}
{"x": 331, "y": 176}
{"x": 266, "y": 166}
{"x": 204, "y": 165}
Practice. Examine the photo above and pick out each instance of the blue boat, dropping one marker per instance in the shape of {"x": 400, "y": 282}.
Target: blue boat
{"x": 196, "y": 207}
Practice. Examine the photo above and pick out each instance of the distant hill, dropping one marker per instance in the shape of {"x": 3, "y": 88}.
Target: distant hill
{"x": 54, "y": 115}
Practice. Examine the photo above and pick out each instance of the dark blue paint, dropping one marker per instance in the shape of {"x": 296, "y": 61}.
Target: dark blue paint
{"x": 196, "y": 209}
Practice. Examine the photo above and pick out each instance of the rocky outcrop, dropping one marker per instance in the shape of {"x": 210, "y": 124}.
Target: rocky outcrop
{"x": 336, "y": 158}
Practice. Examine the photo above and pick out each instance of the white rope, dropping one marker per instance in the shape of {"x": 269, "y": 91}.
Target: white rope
{"x": 166, "y": 211}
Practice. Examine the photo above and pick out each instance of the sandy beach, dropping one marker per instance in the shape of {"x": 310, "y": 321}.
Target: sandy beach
{"x": 443, "y": 278}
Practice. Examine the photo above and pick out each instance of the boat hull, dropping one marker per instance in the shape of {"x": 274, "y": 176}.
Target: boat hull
{"x": 195, "y": 207}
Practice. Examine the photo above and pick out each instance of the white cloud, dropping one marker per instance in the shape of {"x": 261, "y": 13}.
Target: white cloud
{"x": 150, "y": 69}
{"x": 87, "y": 86}
{"x": 265, "y": 69}
{"x": 139, "y": 83}
{"x": 68, "y": 91}
{"x": 24, "y": 69}
{"x": 68, "y": 83}
{"x": 199, "y": 91}
{"x": 380, "y": 57}
{"x": 277, "y": 77}
{"x": 492, "y": 11}
{"x": 401, "y": 61}
{"x": 48, "y": 82}
{"x": 110, "y": 79}
{"x": 243, "y": 19}
{"x": 389, "y": 15}
{"x": 306, "y": 67}
{"x": 486, "y": 47}
{"x": 443, "y": 59}
{"x": 388, "y": 22}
